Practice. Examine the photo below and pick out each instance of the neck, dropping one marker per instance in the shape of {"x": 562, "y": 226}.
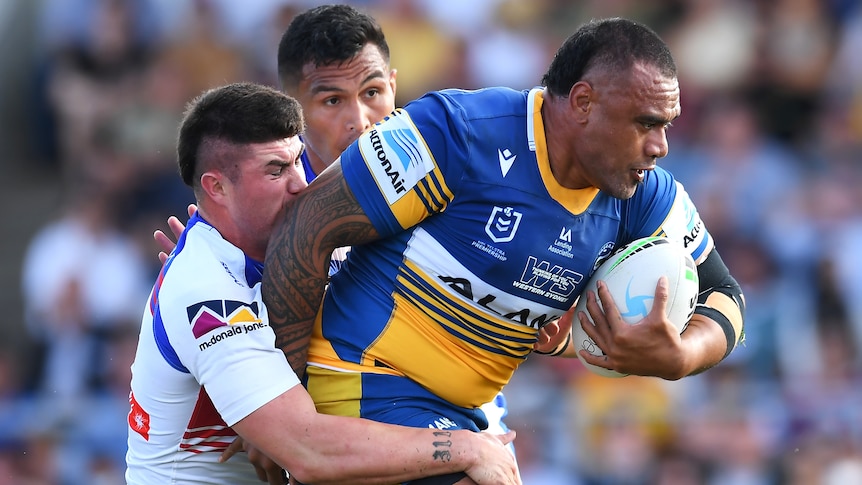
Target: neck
{"x": 316, "y": 163}
{"x": 221, "y": 222}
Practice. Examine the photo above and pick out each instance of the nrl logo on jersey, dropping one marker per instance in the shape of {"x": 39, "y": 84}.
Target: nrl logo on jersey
{"x": 503, "y": 224}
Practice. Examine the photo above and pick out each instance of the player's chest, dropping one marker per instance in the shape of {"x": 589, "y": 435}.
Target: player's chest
{"x": 525, "y": 243}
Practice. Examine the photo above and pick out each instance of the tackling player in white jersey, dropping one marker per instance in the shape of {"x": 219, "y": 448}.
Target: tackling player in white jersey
{"x": 206, "y": 368}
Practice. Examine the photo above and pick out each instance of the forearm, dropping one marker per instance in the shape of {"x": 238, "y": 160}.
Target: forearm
{"x": 317, "y": 448}
{"x": 381, "y": 454}
{"x": 718, "y": 322}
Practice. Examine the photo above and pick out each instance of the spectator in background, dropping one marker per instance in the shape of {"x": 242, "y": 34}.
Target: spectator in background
{"x": 83, "y": 281}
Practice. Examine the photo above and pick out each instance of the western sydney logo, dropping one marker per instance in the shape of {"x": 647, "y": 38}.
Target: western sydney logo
{"x": 396, "y": 154}
{"x": 231, "y": 317}
{"x": 549, "y": 280}
{"x": 507, "y": 158}
{"x": 502, "y": 224}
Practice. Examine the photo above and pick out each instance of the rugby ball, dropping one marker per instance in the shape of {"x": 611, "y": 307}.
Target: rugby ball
{"x": 631, "y": 275}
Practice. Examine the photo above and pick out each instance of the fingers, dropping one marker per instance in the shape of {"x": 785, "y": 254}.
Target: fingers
{"x": 177, "y": 227}
{"x": 595, "y": 324}
{"x": 275, "y": 478}
{"x": 546, "y": 335}
{"x": 191, "y": 209}
{"x": 163, "y": 257}
{"x": 164, "y": 242}
{"x": 599, "y": 333}
{"x": 231, "y": 450}
{"x": 662, "y": 295}
{"x": 506, "y": 438}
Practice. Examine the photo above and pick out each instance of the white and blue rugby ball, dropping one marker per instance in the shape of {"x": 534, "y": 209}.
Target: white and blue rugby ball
{"x": 631, "y": 274}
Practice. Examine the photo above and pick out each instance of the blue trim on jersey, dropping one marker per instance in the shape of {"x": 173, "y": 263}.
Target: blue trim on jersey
{"x": 306, "y": 167}
{"x": 159, "y": 332}
{"x": 697, "y": 253}
{"x": 253, "y": 271}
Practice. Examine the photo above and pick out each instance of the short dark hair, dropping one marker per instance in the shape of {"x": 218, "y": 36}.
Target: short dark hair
{"x": 325, "y": 35}
{"x": 613, "y": 43}
{"x": 238, "y": 113}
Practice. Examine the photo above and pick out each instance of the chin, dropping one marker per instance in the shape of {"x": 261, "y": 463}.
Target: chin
{"x": 622, "y": 192}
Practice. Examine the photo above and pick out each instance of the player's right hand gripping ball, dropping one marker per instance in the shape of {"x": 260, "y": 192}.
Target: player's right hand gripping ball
{"x": 631, "y": 275}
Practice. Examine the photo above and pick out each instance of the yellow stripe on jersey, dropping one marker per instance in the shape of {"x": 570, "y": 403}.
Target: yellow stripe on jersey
{"x": 438, "y": 341}
{"x": 335, "y": 392}
{"x": 575, "y": 201}
{"x": 503, "y": 336}
{"x": 427, "y": 195}
{"x": 447, "y": 365}
{"x": 430, "y": 195}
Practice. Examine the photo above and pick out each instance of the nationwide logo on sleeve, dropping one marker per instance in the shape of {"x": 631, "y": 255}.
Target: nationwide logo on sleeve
{"x": 139, "y": 420}
{"x": 396, "y": 154}
{"x": 232, "y": 317}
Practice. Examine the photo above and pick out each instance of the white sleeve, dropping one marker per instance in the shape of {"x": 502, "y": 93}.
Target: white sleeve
{"x": 228, "y": 346}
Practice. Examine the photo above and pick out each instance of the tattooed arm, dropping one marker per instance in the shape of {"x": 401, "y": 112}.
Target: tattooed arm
{"x": 324, "y": 217}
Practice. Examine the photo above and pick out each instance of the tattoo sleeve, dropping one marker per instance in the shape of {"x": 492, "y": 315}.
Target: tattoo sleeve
{"x": 324, "y": 217}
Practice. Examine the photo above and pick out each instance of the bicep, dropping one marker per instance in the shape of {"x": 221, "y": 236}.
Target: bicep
{"x": 324, "y": 217}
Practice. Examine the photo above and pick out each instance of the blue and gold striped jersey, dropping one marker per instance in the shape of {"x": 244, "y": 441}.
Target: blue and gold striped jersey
{"x": 480, "y": 245}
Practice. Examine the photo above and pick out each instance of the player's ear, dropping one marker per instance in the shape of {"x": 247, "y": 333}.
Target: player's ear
{"x": 580, "y": 99}
{"x": 212, "y": 184}
{"x": 393, "y": 73}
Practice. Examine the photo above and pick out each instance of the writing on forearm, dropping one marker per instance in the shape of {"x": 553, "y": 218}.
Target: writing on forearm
{"x": 443, "y": 449}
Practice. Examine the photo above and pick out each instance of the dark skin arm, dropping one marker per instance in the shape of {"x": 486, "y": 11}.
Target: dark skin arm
{"x": 324, "y": 217}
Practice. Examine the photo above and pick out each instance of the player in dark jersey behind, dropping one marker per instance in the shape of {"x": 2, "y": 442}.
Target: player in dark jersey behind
{"x": 476, "y": 218}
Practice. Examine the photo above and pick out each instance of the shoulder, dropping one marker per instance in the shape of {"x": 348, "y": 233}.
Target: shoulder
{"x": 206, "y": 268}
{"x": 473, "y": 104}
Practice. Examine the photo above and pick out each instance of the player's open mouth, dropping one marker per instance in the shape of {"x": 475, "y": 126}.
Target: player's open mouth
{"x": 640, "y": 173}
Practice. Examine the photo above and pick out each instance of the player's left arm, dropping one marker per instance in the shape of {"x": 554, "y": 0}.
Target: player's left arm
{"x": 322, "y": 218}
{"x": 717, "y": 326}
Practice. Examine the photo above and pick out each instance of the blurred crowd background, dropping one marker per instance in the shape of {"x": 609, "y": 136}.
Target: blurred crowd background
{"x": 769, "y": 146}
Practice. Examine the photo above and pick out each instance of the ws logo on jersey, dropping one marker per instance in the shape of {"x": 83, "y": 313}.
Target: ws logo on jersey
{"x": 396, "y": 154}
{"x": 238, "y": 318}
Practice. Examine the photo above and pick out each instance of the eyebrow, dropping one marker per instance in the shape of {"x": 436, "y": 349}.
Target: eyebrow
{"x": 323, "y": 88}
{"x": 656, "y": 120}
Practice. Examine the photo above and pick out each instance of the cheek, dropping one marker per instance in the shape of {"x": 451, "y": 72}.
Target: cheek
{"x": 320, "y": 136}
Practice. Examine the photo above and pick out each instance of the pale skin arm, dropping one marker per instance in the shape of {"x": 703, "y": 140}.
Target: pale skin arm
{"x": 323, "y": 449}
